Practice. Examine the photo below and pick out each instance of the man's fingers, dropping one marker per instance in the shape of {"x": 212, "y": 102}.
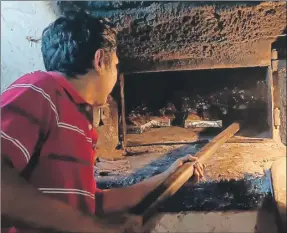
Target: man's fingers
{"x": 201, "y": 167}
{"x": 198, "y": 169}
{"x": 197, "y": 166}
{"x": 195, "y": 177}
{"x": 189, "y": 158}
{"x": 196, "y": 173}
{"x": 200, "y": 172}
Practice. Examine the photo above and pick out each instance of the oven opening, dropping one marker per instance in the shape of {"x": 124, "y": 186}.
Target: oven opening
{"x": 190, "y": 105}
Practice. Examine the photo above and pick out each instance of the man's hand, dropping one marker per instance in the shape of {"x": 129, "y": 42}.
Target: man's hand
{"x": 198, "y": 167}
{"x": 122, "y": 199}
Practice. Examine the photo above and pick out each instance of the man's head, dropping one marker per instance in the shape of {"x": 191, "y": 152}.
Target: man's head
{"x": 83, "y": 48}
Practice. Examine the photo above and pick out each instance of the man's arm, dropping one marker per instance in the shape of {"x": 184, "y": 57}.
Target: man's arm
{"x": 122, "y": 199}
{"x": 21, "y": 124}
{"x": 22, "y": 202}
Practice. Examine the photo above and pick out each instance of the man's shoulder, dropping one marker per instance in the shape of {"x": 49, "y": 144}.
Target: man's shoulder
{"x": 39, "y": 79}
{"x": 32, "y": 85}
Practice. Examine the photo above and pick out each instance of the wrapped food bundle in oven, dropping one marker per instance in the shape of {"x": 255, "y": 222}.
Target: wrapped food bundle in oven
{"x": 141, "y": 119}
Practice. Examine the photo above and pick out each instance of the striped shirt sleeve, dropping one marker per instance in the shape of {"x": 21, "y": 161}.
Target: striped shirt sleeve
{"x": 25, "y": 116}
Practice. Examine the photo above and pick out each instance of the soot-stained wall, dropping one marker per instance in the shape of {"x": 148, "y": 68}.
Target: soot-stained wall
{"x": 190, "y": 35}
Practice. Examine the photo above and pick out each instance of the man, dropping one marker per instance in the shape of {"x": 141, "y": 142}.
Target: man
{"x": 48, "y": 140}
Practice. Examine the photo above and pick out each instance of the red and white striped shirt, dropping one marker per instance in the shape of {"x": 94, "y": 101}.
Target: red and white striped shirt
{"x": 47, "y": 134}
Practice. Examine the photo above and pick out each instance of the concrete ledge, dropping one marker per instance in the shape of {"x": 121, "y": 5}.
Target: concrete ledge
{"x": 278, "y": 173}
{"x": 228, "y": 222}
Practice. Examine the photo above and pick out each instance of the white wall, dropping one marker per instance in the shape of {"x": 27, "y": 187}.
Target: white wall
{"x": 20, "y": 19}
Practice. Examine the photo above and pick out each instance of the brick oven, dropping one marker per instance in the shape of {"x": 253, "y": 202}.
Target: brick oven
{"x": 187, "y": 71}
{"x": 187, "y": 61}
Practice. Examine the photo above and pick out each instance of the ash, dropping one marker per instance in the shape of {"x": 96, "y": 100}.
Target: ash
{"x": 251, "y": 192}
{"x": 247, "y": 194}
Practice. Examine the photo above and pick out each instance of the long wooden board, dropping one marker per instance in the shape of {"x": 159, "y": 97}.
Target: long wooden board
{"x": 176, "y": 180}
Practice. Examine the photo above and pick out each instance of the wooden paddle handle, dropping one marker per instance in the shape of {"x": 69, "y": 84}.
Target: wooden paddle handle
{"x": 177, "y": 179}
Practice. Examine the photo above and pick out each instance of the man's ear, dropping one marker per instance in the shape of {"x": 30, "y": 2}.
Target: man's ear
{"x": 99, "y": 59}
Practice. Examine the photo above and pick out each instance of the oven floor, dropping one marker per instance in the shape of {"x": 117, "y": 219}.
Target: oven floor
{"x": 178, "y": 134}
{"x": 231, "y": 161}
{"x": 169, "y": 134}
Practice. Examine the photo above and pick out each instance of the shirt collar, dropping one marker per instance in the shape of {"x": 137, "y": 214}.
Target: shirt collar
{"x": 61, "y": 79}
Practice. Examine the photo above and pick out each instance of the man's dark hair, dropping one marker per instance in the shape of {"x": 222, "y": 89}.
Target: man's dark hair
{"x": 69, "y": 44}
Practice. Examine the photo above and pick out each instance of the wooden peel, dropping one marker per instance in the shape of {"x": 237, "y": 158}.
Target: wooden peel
{"x": 177, "y": 179}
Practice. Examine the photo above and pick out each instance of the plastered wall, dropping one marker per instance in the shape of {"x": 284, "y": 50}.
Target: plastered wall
{"x": 21, "y": 19}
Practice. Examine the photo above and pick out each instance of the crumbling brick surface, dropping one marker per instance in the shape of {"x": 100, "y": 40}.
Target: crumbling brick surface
{"x": 283, "y": 98}
{"x": 107, "y": 129}
{"x": 189, "y": 35}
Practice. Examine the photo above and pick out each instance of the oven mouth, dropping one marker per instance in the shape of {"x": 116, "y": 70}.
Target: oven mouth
{"x": 192, "y": 105}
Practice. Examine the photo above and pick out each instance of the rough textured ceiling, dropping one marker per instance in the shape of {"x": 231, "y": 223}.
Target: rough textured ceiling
{"x": 156, "y": 36}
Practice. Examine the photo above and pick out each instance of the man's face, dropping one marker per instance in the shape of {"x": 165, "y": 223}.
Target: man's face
{"x": 107, "y": 75}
